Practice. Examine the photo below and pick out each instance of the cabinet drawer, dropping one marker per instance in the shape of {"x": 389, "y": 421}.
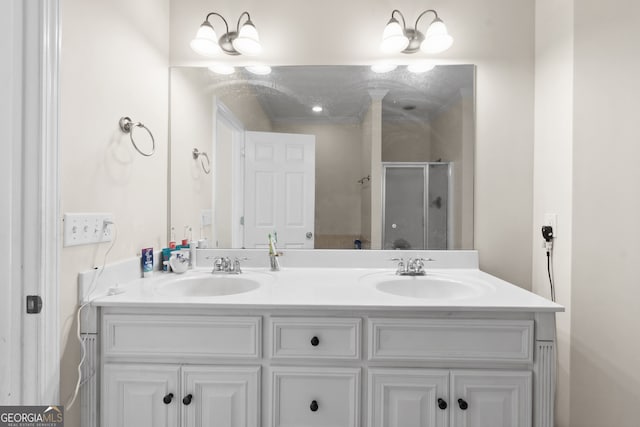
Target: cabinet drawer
{"x": 158, "y": 336}
{"x": 319, "y": 338}
{"x": 315, "y": 397}
{"x": 451, "y": 340}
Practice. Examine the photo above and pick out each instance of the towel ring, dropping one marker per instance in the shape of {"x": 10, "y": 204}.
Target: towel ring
{"x": 196, "y": 154}
{"x": 127, "y": 126}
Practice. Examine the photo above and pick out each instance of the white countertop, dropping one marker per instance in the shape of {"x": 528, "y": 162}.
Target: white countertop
{"x": 333, "y": 289}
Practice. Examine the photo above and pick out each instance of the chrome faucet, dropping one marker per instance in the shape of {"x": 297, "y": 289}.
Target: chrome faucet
{"x": 412, "y": 267}
{"x": 225, "y": 265}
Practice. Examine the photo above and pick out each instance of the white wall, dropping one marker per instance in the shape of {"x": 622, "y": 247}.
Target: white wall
{"x": 451, "y": 142}
{"x": 114, "y": 62}
{"x": 405, "y": 141}
{"x": 605, "y": 379}
{"x": 365, "y": 171}
{"x": 552, "y": 173}
{"x": 192, "y": 117}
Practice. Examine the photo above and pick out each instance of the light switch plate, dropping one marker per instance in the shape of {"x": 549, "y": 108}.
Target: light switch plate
{"x": 86, "y": 228}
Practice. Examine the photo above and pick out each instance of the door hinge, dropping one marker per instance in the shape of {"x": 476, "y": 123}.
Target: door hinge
{"x": 242, "y": 220}
{"x": 34, "y": 304}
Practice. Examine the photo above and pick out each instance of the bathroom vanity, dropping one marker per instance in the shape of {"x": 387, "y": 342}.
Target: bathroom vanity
{"x": 326, "y": 345}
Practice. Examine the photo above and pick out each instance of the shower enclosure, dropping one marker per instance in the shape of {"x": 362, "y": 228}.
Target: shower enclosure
{"x": 417, "y": 205}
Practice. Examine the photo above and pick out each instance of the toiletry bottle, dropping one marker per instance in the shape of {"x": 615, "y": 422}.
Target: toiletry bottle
{"x": 172, "y": 242}
{"x": 147, "y": 262}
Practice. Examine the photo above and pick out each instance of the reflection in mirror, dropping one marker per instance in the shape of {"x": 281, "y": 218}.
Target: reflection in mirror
{"x": 324, "y": 156}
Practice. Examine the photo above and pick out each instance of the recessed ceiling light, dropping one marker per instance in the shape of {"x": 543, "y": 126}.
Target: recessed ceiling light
{"x": 261, "y": 70}
{"x": 317, "y": 108}
{"x": 421, "y": 67}
{"x": 222, "y": 69}
{"x": 383, "y": 68}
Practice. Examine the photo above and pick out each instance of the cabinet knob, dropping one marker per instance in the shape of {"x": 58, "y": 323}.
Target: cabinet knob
{"x": 313, "y": 406}
{"x": 463, "y": 405}
{"x": 168, "y": 398}
{"x": 442, "y": 404}
{"x": 187, "y": 399}
{"x": 315, "y": 341}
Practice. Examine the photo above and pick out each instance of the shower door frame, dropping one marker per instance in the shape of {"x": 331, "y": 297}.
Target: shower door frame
{"x": 425, "y": 202}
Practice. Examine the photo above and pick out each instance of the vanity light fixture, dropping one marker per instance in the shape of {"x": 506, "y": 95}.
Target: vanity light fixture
{"x": 398, "y": 38}
{"x": 243, "y": 41}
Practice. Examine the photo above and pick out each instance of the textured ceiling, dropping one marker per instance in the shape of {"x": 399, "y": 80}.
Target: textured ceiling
{"x": 288, "y": 93}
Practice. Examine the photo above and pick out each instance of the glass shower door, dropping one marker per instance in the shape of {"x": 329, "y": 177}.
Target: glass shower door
{"x": 404, "y": 207}
{"x": 437, "y": 205}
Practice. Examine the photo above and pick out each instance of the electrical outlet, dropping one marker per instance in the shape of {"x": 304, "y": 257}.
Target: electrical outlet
{"x": 205, "y": 217}
{"x": 551, "y": 220}
{"x": 87, "y": 228}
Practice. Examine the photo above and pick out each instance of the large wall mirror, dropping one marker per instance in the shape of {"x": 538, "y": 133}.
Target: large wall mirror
{"x": 326, "y": 157}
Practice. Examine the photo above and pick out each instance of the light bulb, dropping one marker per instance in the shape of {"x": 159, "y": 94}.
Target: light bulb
{"x": 248, "y": 41}
{"x": 393, "y": 38}
{"x": 383, "y": 68}
{"x": 421, "y": 67}
{"x": 437, "y": 39}
{"x": 222, "y": 69}
{"x": 206, "y": 42}
{"x": 261, "y": 70}
{"x": 317, "y": 108}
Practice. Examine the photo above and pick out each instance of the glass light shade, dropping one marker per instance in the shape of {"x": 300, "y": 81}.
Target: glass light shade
{"x": 206, "y": 42}
{"x": 437, "y": 39}
{"x": 421, "y": 67}
{"x": 247, "y": 42}
{"x": 383, "y": 68}
{"x": 393, "y": 38}
{"x": 222, "y": 69}
{"x": 261, "y": 70}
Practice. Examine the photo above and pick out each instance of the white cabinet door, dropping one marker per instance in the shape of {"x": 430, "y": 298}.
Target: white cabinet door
{"x": 315, "y": 397}
{"x": 220, "y": 396}
{"x": 491, "y": 398}
{"x": 140, "y": 395}
{"x": 408, "y": 398}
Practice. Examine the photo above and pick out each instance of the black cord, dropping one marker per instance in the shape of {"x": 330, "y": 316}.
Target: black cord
{"x": 553, "y": 290}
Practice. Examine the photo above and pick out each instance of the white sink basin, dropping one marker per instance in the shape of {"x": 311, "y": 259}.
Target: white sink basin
{"x": 209, "y": 285}
{"x": 430, "y": 286}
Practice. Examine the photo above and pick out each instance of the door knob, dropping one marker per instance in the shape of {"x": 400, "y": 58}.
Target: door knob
{"x": 187, "y": 399}
{"x": 309, "y": 235}
{"x": 168, "y": 398}
{"x": 463, "y": 405}
{"x": 442, "y": 404}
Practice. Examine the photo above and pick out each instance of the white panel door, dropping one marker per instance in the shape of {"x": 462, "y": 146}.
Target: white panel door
{"x": 10, "y": 169}
{"x": 279, "y": 189}
{"x": 491, "y": 398}
{"x": 140, "y": 395}
{"x": 408, "y": 398}
{"x": 221, "y": 396}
